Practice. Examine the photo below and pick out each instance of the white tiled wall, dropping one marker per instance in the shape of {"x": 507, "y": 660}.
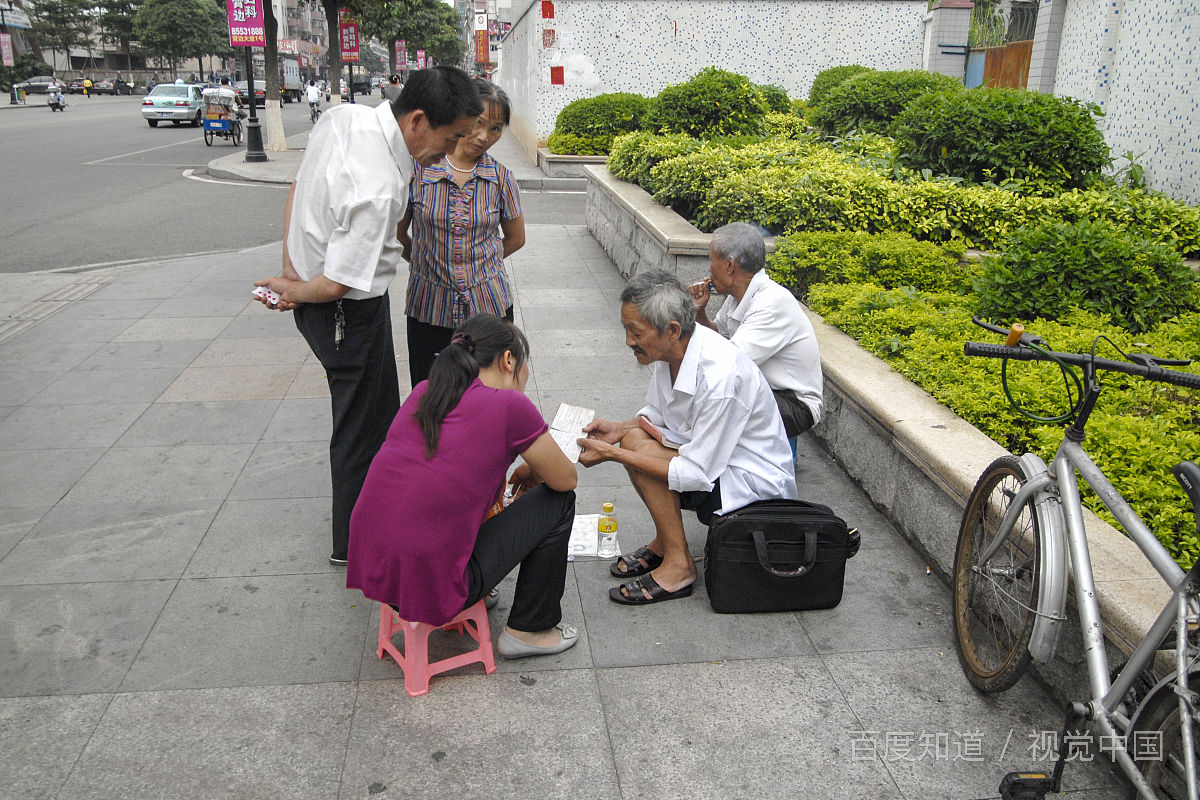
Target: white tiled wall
{"x": 643, "y": 45}
{"x": 1139, "y": 60}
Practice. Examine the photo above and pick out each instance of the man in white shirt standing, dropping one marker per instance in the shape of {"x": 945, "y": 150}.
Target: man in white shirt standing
{"x": 709, "y": 439}
{"x": 765, "y": 321}
{"x": 340, "y": 252}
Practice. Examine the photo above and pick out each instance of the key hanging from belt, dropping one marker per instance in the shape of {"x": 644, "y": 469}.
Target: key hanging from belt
{"x": 339, "y": 325}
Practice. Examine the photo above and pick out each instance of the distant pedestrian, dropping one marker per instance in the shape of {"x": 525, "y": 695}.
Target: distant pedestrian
{"x": 340, "y": 253}
{"x": 392, "y": 89}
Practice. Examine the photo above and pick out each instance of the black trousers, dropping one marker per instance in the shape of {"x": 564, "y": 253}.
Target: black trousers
{"x": 363, "y": 390}
{"x": 797, "y": 417}
{"x": 425, "y": 341}
{"x": 534, "y": 532}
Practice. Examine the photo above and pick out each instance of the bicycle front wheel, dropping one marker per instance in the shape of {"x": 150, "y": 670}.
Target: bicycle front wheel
{"x": 995, "y": 600}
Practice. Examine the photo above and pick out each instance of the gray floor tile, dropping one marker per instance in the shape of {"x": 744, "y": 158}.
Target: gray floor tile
{"x": 158, "y": 474}
{"x": 41, "y": 738}
{"x": 32, "y": 355}
{"x": 201, "y": 306}
{"x": 134, "y": 289}
{"x": 677, "y": 631}
{"x": 268, "y": 629}
{"x": 17, "y": 387}
{"x": 15, "y": 523}
{"x": 590, "y": 318}
{"x": 6, "y": 410}
{"x": 143, "y": 355}
{"x": 254, "y": 352}
{"x": 175, "y": 328}
{"x": 42, "y": 477}
{"x": 81, "y": 387}
{"x": 918, "y": 692}
{"x": 783, "y": 732}
{"x": 259, "y": 322}
{"x": 581, "y": 373}
{"x": 257, "y": 537}
{"x": 106, "y": 308}
{"x": 889, "y": 603}
{"x": 58, "y": 329}
{"x": 242, "y": 744}
{"x": 96, "y": 542}
{"x": 482, "y": 736}
{"x": 300, "y": 420}
{"x": 283, "y": 470}
{"x": 231, "y": 422}
{"x": 46, "y": 427}
{"x": 74, "y": 638}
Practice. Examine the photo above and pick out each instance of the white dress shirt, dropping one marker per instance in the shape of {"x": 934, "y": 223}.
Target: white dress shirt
{"x": 722, "y": 409}
{"x": 351, "y": 191}
{"x": 770, "y": 326}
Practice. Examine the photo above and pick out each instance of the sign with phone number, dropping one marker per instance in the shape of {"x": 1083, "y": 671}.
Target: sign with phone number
{"x": 246, "y": 28}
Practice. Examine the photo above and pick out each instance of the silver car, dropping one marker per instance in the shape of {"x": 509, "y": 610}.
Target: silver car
{"x": 173, "y": 102}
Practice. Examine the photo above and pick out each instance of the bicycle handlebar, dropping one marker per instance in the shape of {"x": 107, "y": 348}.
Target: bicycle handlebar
{"x": 1151, "y": 372}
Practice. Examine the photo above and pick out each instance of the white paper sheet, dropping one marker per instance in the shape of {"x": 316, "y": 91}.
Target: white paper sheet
{"x": 568, "y": 426}
{"x": 583, "y": 535}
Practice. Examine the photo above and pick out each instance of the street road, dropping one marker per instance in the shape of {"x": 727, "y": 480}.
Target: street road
{"x": 95, "y": 184}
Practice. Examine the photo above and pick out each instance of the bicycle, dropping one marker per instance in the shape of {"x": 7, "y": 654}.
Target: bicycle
{"x": 314, "y": 112}
{"x": 1022, "y": 524}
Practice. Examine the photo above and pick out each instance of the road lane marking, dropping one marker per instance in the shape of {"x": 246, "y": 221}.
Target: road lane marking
{"x": 139, "y": 152}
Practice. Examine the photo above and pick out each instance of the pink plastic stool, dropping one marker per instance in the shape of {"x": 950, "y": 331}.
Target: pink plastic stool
{"x": 414, "y": 661}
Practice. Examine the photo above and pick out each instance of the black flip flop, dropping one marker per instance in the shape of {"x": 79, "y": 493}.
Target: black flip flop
{"x": 634, "y": 565}
{"x": 633, "y": 592}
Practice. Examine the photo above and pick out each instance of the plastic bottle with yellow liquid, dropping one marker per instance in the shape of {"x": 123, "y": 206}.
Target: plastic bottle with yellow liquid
{"x": 606, "y": 532}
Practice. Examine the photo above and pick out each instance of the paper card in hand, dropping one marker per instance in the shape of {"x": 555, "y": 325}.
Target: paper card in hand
{"x": 568, "y": 426}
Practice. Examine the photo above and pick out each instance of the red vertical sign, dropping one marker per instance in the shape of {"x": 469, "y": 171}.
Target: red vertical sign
{"x": 401, "y": 54}
{"x": 420, "y": 59}
{"x": 348, "y": 34}
{"x": 6, "y": 51}
{"x": 246, "y": 26}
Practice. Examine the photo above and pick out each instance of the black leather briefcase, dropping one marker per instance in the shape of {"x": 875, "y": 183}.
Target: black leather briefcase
{"x": 777, "y": 555}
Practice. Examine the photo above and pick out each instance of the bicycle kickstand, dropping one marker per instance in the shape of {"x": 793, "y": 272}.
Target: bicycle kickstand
{"x": 1036, "y": 785}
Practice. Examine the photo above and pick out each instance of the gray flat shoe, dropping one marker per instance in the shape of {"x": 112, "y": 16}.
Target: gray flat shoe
{"x": 512, "y": 647}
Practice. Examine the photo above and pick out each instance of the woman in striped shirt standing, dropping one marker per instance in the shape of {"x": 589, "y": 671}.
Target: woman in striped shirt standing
{"x": 464, "y": 218}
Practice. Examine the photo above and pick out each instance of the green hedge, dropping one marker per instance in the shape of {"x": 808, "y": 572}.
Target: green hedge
{"x": 1049, "y": 268}
{"x": 871, "y": 101}
{"x": 633, "y": 155}
{"x": 827, "y": 79}
{"x": 587, "y": 126}
{"x": 712, "y": 103}
{"x": 1137, "y": 433}
{"x": 775, "y": 99}
{"x": 994, "y": 134}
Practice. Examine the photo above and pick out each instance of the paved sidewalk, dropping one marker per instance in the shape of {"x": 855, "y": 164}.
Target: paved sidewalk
{"x": 170, "y": 627}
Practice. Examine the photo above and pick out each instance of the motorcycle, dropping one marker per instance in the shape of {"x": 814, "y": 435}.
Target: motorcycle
{"x": 55, "y": 99}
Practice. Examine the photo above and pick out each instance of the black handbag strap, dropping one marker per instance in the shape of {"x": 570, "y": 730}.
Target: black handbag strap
{"x": 810, "y": 555}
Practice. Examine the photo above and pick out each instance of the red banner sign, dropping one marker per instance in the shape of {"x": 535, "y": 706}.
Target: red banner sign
{"x": 482, "y": 47}
{"x": 348, "y": 31}
{"x": 6, "y": 51}
{"x": 401, "y": 54}
{"x": 245, "y": 23}
{"x": 420, "y": 59}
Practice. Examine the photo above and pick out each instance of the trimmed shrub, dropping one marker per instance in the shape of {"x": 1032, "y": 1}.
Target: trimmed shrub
{"x": 588, "y": 125}
{"x": 994, "y": 134}
{"x": 633, "y": 155}
{"x": 827, "y": 79}
{"x": 785, "y": 126}
{"x": 1050, "y": 268}
{"x": 889, "y": 260}
{"x": 713, "y": 103}
{"x": 774, "y": 98}
{"x": 871, "y": 101}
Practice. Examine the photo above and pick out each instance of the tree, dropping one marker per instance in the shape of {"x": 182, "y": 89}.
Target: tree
{"x": 175, "y": 29}
{"x": 428, "y": 25}
{"x": 116, "y": 25}
{"x": 61, "y": 25}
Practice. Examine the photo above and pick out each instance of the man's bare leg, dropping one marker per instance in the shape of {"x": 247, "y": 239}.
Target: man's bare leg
{"x": 677, "y": 570}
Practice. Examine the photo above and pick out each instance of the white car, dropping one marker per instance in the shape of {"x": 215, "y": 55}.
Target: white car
{"x": 175, "y": 103}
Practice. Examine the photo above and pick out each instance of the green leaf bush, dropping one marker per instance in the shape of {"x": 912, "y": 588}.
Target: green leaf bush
{"x": 587, "y": 126}
{"x": 633, "y": 155}
{"x": 827, "y": 79}
{"x": 993, "y": 134}
{"x": 775, "y": 98}
{"x": 889, "y": 260}
{"x": 785, "y": 126}
{"x": 1049, "y": 268}
{"x": 712, "y": 103}
{"x": 871, "y": 101}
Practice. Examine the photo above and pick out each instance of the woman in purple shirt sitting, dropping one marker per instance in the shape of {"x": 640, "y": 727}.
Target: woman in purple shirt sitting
{"x": 418, "y": 536}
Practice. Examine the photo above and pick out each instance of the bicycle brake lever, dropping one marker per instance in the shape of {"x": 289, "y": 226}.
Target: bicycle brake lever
{"x": 1147, "y": 360}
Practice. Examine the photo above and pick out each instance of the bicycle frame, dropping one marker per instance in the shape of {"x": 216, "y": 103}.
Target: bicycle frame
{"x": 1071, "y": 461}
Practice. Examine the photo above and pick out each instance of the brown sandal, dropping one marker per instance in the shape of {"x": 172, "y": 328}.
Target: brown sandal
{"x": 639, "y": 562}
{"x": 632, "y": 596}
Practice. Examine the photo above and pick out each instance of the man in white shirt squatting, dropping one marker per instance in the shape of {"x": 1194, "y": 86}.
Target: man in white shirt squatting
{"x": 709, "y": 439}
{"x": 765, "y": 321}
{"x": 340, "y": 252}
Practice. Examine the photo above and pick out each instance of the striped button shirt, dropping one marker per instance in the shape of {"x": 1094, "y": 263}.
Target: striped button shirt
{"x": 457, "y": 256}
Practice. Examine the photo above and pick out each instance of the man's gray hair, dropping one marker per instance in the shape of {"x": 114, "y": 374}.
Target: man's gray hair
{"x": 741, "y": 242}
{"x": 660, "y": 298}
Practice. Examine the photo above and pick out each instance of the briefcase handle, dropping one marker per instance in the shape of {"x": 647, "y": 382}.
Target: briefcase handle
{"x": 810, "y": 555}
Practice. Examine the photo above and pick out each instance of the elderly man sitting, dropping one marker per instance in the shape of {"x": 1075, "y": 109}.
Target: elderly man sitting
{"x": 765, "y": 321}
{"x": 709, "y": 439}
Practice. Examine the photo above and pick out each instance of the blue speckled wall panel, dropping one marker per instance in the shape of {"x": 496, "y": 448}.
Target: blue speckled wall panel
{"x": 643, "y": 45}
